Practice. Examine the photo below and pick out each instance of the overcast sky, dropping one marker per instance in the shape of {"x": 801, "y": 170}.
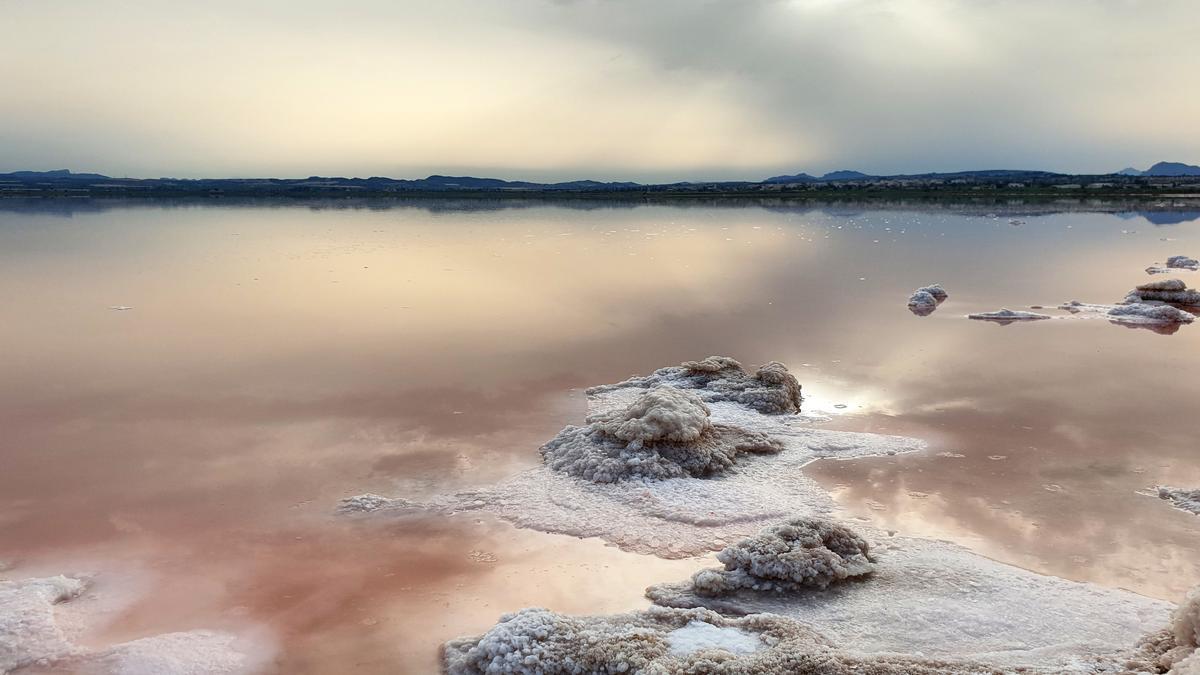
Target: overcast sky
{"x": 616, "y": 89}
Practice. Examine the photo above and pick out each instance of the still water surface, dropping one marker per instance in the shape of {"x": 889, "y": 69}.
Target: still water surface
{"x": 275, "y": 358}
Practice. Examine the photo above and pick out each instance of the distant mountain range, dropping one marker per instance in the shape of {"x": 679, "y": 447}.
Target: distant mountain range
{"x": 1164, "y": 169}
{"x": 65, "y": 181}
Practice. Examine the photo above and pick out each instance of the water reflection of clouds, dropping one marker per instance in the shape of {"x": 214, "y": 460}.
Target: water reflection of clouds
{"x": 245, "y": 382}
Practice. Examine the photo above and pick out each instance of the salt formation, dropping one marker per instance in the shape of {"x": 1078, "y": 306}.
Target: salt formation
{"x": 800, "y": 553}
{"x": 1185, "y": 625}
{"x": 1174, "y": 263}
{"x": 1006, "y": 316}
{"x": 29, "y": 630}
{"x": 925, "y": 600}
{"x": 664, "y": 641}
{"x": 928, "y": 597}
{"x": 1166, "y": 290}
{"x": 771, "y": 390}
{"x": 672, "y": 517}
{"x": 1188, "y": 500}
{"x": 700, "y": 636}
{"x": 32, "y": 635}
{"x": 1135, "y": 313}
{"x": 926, "y": 299}
{"x": 1176, "y": 650}
{"x": 198, "y": 652}
{"x": 664, "y": 433}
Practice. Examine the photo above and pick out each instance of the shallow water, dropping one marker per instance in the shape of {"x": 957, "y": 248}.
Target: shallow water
{"x": 278, "y": 357}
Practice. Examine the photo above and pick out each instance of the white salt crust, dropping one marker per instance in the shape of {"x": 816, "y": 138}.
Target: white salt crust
{"x": 34, "y": 633}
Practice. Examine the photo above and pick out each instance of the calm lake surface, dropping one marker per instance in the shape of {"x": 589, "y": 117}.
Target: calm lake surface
{"x": 190, "y": 450}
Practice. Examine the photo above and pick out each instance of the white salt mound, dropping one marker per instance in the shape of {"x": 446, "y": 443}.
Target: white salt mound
{"x": 800, "y": 553}
{"x": 1007, "y": 316}
{"x": 699, "y": 636}
{"x": 1187, "y": 500}
{"x": 664, "y": 433}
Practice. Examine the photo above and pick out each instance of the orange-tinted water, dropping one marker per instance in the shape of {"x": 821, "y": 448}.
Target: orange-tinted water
{"x": 279, "y": 357}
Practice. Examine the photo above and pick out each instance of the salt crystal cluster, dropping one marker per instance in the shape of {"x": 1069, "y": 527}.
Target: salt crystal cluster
{"x": 770, "y": 390}
{"x": 664, "y": 433}
{"x": 801, "y": 553}
{"x": 1175, "y": 262}
{"x": 926, "y": 299}
{"x": 1187, "y": 500}
{"x": 1165, "y": 290}
{"x": 664, "y": 641}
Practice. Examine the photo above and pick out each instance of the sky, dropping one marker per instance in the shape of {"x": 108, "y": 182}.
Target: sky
{"x": 647, "y": 90}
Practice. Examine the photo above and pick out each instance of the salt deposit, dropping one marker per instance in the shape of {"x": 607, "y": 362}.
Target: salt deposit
{"x": 664, "y": 433}
{"x": 1165, "y": 290}
{"x": 928, "y": 597}
{"x": 29, "y": 630}
{"x": 32, "y": 633}
{"x": 1132, "y": 313}
{"x": 672, "y": 517}
{"x": 1188, "y": 500}
{"x": 198, "y": 652}
{"x": 800, "y": 553}
{"x": 771, "y": 390}
{"x": 1174, "y": 264}
{"x": 926, "y": 299}
{"x": 664, "y": 641}
{"x": 700, "y": 636}
{"x": 818, "y": 597}
{"x": 1007, "y": 316}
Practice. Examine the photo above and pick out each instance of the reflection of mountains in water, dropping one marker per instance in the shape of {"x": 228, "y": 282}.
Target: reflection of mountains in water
{"x": 1166, "y": 214}
{"x": 1169, "y": 217}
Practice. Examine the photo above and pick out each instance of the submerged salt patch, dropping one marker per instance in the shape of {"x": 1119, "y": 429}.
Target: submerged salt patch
{"x": 700, "y": 636}
{"x": 199, "y": 652}
{"x": 32, "y": 634}
{"x": 1006, "y": 315}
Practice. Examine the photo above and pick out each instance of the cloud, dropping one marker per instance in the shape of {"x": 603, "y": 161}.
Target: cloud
{"x": 615, "y": 89}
